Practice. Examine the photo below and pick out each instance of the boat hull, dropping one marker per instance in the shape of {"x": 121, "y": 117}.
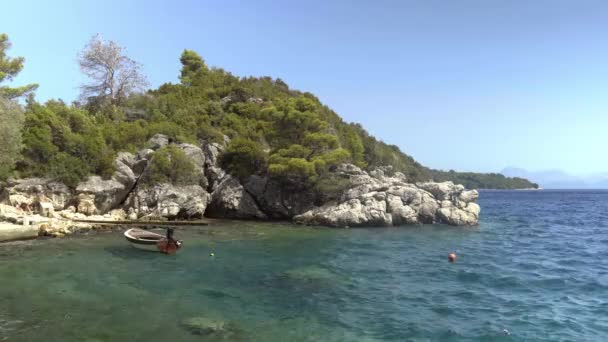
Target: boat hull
{"x": 149, "y": 248}
{"x": 143, "y": 240}
{"x": 148, "y": 241}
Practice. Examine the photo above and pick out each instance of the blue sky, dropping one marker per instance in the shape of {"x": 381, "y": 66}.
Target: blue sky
{"x": 472, "y": 85}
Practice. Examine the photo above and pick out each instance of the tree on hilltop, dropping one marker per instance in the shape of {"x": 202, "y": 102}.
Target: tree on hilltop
{"x": 114, "y": 76}
{"x": 192, "y": 64}
{"x": 9, "y": 68}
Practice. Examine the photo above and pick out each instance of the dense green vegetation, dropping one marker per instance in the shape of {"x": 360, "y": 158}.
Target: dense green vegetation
{"x": 276, "y": 131}
{"x": 171, "y": 165}
{"x": 11, "y": 123}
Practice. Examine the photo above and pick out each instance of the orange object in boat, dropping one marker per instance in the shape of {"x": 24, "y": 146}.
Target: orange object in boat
{"x": 168, "y": 246}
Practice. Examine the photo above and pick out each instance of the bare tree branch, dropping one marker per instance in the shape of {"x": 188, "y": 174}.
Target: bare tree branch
{"x": 113, "y": 75}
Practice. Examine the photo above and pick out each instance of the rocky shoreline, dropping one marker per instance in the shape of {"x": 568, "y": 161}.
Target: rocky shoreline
{"x": 378, "y": 197}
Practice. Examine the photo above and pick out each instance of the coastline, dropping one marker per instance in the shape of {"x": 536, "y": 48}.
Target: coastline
{"x": 380, "y": 197}
{"x": 18, "y": 226}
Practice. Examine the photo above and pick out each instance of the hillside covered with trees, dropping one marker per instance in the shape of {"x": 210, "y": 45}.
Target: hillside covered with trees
{"x": 272, "y": 130}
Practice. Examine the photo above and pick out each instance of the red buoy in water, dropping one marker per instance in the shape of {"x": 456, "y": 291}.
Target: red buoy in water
{"x": 452, "y": 257}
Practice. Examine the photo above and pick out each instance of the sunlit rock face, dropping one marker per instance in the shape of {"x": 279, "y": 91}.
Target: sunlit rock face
{"x": 375, "y": 199}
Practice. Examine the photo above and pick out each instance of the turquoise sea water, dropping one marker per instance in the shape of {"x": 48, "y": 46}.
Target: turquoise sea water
{"x": 534, "y": 270}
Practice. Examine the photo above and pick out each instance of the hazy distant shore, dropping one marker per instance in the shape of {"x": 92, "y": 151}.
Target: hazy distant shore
{"x": 524, "y": 189}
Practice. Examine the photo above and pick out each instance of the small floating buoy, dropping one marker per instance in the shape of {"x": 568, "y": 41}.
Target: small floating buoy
{"x": 452, "y": 257}
{"x": 506, "y": 332}
{"x": 212, "y": 254}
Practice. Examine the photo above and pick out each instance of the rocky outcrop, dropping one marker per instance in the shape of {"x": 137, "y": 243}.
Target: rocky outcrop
{"x": 213, "y": 171}
{"x": 27, "y": 193}
{"x": 18, "y": 224}
{"x": 369, "y": 210}
{"x": 158, "y": 141}
{"x": 168, "y": 201}
{"x": 466, "y": 216}
{"x": 98, "y": 196}
{"x": 230, "y": 200}
{"x": 86, "y": 204}
{"x": 198, "y": 159}
{"x": 278, "y": 201}
{"x": 376, "y": 199}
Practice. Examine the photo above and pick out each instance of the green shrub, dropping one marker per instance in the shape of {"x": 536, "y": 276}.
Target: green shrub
{"x": 105, "y": 166}
{"x": 66, "y": 169}
{"x": 11, "y": 123}
{"x": 243, "y": 157}
{"x": 305, "y": 138}
{"x": 171, "y": 165}
{"x": 293, "y": 170}
{"x": 332, "y": 158}
{"x": 174, "y": 131}
{"x": 125, "y": 136}
{"x": 64, "y": 143}
{"x": 330, "y": 187}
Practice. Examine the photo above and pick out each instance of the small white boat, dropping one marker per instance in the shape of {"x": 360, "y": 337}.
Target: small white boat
{"x": 148, "y": 241}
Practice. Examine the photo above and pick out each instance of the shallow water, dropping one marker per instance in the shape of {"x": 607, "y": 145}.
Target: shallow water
{"x": 535, "y": 266}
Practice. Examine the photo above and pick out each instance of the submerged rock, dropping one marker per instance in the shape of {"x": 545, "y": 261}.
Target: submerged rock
{"x": 211, "y": 327}
{"x": 311, "y": 273}
{"x": 203, "y": 325}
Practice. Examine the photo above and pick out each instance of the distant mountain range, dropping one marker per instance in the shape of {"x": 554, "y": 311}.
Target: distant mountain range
{"x": 558, "y": 179}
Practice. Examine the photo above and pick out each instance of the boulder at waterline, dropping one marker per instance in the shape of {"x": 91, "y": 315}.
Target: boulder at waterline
{"x": 231, "y": 200}
{"x": 467, "y": 216}
{"x": 277, "y": 200}
{"x": 169, "y": 201}
{"x": 108, "y": 194}
{"x": 28, "y": 191}
{"x": 312, "y": 273}
{"x": 377, "y": 199}
{"x": 104, "y": 194}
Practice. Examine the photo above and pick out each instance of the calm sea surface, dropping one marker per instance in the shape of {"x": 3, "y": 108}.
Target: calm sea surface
{"x": 536, "y": 269}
